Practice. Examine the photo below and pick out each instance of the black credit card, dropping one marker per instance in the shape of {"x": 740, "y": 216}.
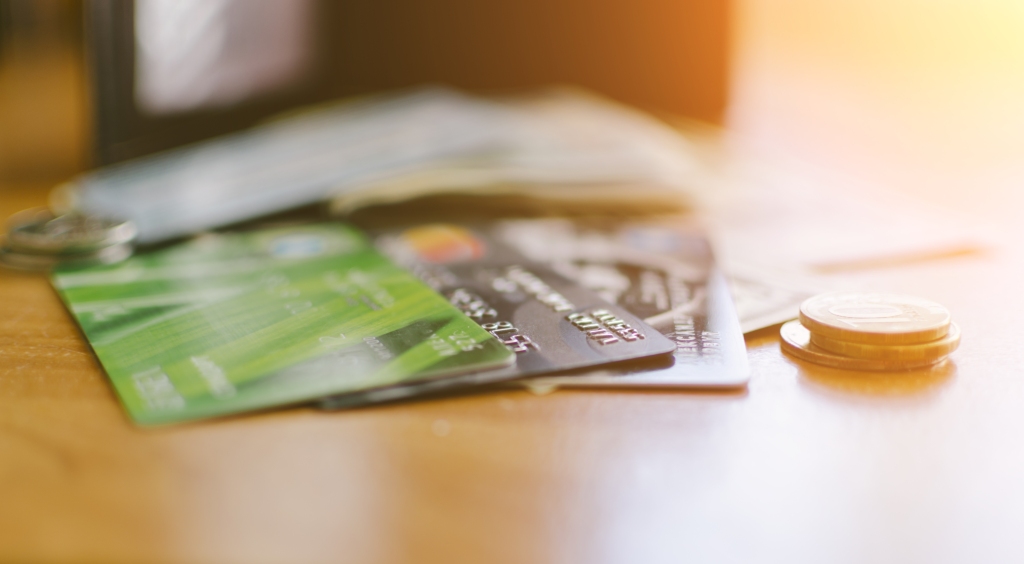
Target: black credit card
{"x": 661, "y": 270}
{"x": 553, "y": 324}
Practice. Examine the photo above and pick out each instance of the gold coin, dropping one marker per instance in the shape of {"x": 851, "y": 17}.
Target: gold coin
{"x": 875, "y": 319}
{"x": 796, "y": 341}
{"x": 931, "y": 350}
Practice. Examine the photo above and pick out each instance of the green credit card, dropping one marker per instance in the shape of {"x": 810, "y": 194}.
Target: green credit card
{"x": 233, "y": 322}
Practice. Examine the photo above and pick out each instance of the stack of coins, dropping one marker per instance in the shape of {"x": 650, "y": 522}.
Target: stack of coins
{"x": 871, "y": 332}
{"x": 38, "y": 240}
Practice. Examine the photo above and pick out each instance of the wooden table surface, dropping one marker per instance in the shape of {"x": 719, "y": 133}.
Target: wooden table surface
{"x": 808, "y": 464}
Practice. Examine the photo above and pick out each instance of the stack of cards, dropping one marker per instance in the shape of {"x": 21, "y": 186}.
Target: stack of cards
{"x": 239, "y": 321}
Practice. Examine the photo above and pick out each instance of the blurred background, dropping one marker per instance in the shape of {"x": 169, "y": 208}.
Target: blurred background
{"x": 924, "y": 97}
{"x": 921, "y": 95}
{"x": 89, "y": 83}
{"x": 43, "y": 102}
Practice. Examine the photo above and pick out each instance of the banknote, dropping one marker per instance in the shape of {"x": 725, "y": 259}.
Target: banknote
{"x": 566, "y": 144}
{"x": 233, "y": 322}
{"x": 288, "y": 162}
{"x": 550, "y": 322}
{"x": 661, "y": 270}
{"x": 767, "y": 296}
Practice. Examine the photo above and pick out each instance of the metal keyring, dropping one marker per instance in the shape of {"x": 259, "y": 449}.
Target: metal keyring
{"x": 38, "y": 231}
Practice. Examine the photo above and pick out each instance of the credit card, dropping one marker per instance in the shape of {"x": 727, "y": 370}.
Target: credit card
{"x": 662, "y": 271}
{"x": 550, "y": 322}
{"x": 233, "y": 322}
